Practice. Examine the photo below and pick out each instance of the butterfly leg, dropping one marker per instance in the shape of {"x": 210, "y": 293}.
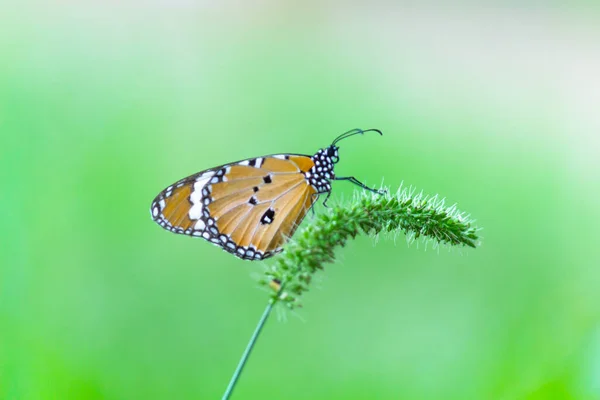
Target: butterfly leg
{"x": 327, "y": 198}
{"x": 315, "y": 197}
{"x": 359, "y": 183}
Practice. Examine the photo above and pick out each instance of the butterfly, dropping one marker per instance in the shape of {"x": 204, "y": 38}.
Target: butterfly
{"x": 250, "y": 208}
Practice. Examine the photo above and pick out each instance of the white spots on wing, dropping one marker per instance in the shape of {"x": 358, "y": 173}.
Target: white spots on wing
{"x": 200, "y": 225}
{"x": 280, "y": 156}
{"x": 196, "y": 195}
{"x": 245, "y": 162}
{"x": 259, "y": 162}
{"x": 202, "y": 179}
{"x": 162, "y": 204}
{"x": 214, "y": 180}
{"x": 197, "y": 233}
{"x": 227, "y": 169}
{"x": 206, "y": 235}
{"x": 231, "y": 245}
{"x": 155, "y": 211}
{"x": 195, "y": 212}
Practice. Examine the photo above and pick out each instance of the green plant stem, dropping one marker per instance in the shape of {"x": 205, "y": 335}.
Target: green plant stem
{"x": 249, "y": 347}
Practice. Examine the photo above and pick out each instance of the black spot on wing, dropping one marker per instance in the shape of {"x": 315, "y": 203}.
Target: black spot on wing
{"x": 268, "y": 217}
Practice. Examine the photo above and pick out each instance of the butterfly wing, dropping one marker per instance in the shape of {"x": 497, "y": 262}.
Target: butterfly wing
{"x": 249, "y": 208}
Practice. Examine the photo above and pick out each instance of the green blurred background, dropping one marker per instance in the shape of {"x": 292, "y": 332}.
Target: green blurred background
{"x": 496, "y": 107}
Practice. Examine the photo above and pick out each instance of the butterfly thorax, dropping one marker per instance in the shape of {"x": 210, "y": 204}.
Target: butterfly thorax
{"x": 321, "y": 173}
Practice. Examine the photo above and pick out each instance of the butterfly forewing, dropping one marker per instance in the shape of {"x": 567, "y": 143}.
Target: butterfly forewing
{"x": 249, "y": 208}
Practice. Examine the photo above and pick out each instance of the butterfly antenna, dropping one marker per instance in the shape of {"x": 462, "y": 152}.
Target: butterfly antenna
{"x": 355, "y": 132}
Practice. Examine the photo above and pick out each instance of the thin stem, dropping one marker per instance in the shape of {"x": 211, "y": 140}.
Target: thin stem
{"x": 240, "y": 367}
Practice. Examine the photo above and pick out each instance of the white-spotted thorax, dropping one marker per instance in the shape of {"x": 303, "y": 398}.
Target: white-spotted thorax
{"x": 320, "y": 175}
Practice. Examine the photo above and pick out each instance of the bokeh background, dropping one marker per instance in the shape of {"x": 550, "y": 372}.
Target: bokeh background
{"x": 495, "y": 106}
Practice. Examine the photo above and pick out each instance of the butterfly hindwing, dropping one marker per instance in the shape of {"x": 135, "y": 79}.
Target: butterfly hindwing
{"x": 249, "y": 208}
{"x": 283, "y": 217}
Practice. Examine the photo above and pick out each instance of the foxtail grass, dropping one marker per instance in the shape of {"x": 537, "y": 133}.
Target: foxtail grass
{"x": 416, "y": 215}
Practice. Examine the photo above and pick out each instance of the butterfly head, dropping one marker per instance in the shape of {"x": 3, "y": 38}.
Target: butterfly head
{"x": 332, "y": 154}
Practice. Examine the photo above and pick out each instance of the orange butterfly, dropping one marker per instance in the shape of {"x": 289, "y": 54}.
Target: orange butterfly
{"x": 250, "y": 208}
